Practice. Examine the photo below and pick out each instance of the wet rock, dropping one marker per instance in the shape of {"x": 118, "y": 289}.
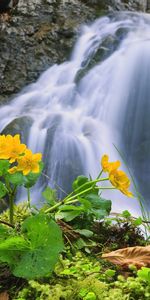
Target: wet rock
{"x": 19, "y": 125}
{"x": 39, "y": 33}
{"x": 112, "y": 5}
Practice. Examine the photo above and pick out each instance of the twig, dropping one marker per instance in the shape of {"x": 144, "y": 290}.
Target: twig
{"x": 118, "y": 214}
{"x": 6, "y": 223}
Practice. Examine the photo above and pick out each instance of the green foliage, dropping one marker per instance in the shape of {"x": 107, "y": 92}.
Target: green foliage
{"x": 82, "y": 278}
{"x": 35, "y": 252}
{"x": 4, "y": 166}
{"x": 126, "y": 214}
{"x": 68, "y": 215}
{"x": 16, "y": 179}
{"x": 144, "y": 273}
{"x": 87, "y": 296}
{"x": 137, "y": 288}
{"x": 21, "y": 212}
{"x": 3, "y": 189}
{"x": 11, "y": 249}
{"x": 84, "y": 200}
{"x": 4, "y": 232}
{"x": 30, "y": 246}
{"x": 78, "y": 266}
{"x": 85, "y": 232}
{"x": 82, "y": 183}
{"x": 50, "y": 196}
{"x": 99, "y": 207}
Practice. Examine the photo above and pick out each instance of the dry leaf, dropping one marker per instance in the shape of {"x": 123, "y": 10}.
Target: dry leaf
{"x": 5, "y": 17}
{"x": 138, "y": 256}
{"x": 4, "y": 296}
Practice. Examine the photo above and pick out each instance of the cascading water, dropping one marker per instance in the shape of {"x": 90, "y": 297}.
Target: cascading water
{"x": 78, "y": 110}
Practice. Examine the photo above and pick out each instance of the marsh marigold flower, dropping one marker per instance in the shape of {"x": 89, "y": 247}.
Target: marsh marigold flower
{"x": 109, "y": 166}
{"x": 29, "y": 162}
{"x": 10, "y": 147}
{"x": 120, "y": 180}
{"x": 4, "y": 153}
{"x": 15, "y": 148}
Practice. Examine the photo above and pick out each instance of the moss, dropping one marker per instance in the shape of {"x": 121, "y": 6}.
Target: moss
{"x": 83, "y": 278}
{"x": 21, "y": 212}
{"x": 132, "y": 289}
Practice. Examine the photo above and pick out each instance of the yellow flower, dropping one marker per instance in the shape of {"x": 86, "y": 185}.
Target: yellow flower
{"x": 120, "y": 180}
{"x": 10, "y": 147}
{"x": 109, "y": 166}
{"x": 29, "y": 162}
{"x": 15, "y": 148}
{"x": 12, "y": 170}
{"x": 4, "y": 154}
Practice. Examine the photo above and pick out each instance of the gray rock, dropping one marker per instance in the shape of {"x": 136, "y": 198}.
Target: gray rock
{"x": 40, "y": 33}
{"x": 22, "y": 125}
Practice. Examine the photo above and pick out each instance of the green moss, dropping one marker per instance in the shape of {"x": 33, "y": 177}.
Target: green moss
{"x": 83, "y": 278}
{"x": 21, "y": 212}
{"x": 90, "y": 288}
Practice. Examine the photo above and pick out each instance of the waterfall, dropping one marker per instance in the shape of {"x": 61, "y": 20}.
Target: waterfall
{"x": 80, "y": 109}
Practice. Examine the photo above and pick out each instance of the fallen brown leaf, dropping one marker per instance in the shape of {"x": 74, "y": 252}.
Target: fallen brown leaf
{"x": 138, "y": 256}
{"x": 5, "y": 17}
{"x": 4, "y": 296}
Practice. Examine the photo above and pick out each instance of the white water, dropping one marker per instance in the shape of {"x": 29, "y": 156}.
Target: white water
{"x": 74, "y": 122}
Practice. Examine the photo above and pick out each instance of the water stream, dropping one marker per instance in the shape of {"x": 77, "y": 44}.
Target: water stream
{"x": 79, "y": 110}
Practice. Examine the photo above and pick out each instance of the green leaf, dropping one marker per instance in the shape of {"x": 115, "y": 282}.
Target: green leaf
{"x": 99, "y": 213}
{"x": 46, "y": 243}
{"x": 85, "y": 232}
{"x": 80, "y": 243}
{"x": 99, "y": 203}
{"x": 50, "y": 196}
{"x": 11, "y": 250}
{"x": 79, "y": 181}
{"x": 110, "y": 273}
{"x": 4, "y": 166}
{"x": 90, "y": 296}
{"x": 86, "y": 203}
{"x": 138, "y": 222}
{"x": 16, "y": 178}
{"x": 32, "y": 178}
{"x": 83, "y": 292}
{"x": 3, "y": 190}
{"x": 4, "y": 233}
{"x": 100, "y": 207}
{"x": 82, "y": 183}
{"x": 144, "y": 273}
{"x": 126, "y": 214}
{"x": 67, "y": 215}
{"x": 35, "y": 253}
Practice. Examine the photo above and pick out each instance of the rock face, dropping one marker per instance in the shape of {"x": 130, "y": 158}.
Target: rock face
{"x": 4, "y": 4}
{"x": 139, "y": 5}
{"x": 39, "y": 33}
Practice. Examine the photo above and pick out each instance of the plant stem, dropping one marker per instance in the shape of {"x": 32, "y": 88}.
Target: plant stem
{"x": 69, "y": 200}
{"x": 79, "y": 194}
{"x": 51, "y": 209}
{"x": 87, "y": 183}
{"x": 105, "y": 188}
{"x": 11, "y": 205}
{"x": 29, "y": 198}
{"x": 99, "y": 175}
